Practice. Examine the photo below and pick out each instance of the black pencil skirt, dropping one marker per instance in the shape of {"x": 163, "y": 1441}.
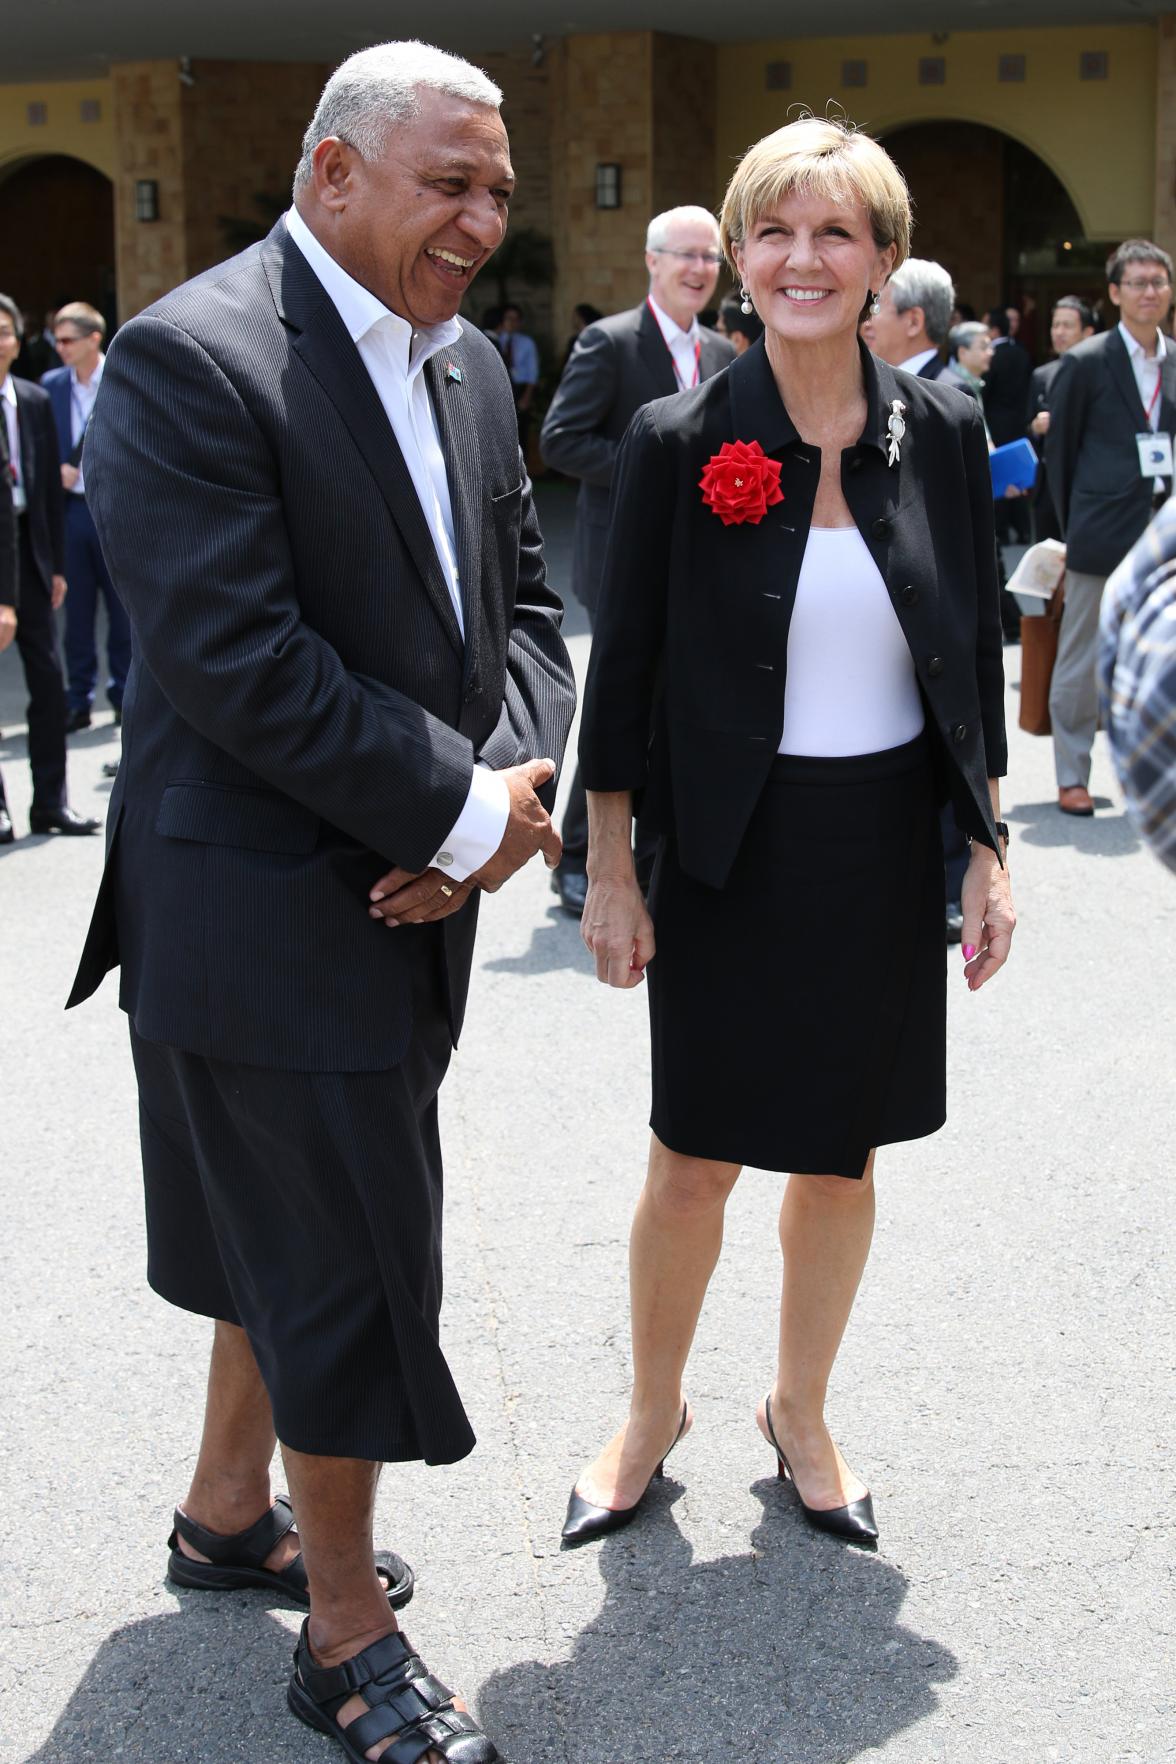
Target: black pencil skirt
{"x": 798, "y": 1014}
{"x": 306, "y": 1208}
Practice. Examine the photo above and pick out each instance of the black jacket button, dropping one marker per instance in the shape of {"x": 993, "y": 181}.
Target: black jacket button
{"x": 935, "y": 666}
{"x": 880, "y": 529}
{"x": 960, "y": 732}
{"x": 909, "y": 596}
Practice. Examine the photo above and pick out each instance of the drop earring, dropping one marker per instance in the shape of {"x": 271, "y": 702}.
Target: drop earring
{"x": 745, "y": 305}
{"x": 875, "y": 305}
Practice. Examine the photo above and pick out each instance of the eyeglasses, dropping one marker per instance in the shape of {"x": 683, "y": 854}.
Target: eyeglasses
{"x": 65, "y": 338}
{"x": 1148, "y": 284}
{"x": 714, "y": 258}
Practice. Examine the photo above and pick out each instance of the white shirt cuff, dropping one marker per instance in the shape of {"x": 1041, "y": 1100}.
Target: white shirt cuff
{"x": 477, "y": 832}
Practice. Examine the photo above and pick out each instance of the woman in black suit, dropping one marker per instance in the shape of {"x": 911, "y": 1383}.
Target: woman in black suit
{"x": 797, "y": 660}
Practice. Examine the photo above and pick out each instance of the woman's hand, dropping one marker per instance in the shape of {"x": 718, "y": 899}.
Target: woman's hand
{"x": 618, "y": 930}
{"x": 989, "y": 918}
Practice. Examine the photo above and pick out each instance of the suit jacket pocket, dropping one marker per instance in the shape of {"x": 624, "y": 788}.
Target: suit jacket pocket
{"x": 212, "y": 814}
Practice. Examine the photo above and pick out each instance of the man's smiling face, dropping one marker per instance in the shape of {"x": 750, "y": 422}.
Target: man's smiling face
{"x": 417, "y": 224}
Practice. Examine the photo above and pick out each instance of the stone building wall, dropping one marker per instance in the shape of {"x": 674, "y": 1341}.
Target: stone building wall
{"x": 600, "y": 114}
{"x": 151, "y": 256}
{"x": 1165, "y": 212}
{"x": 242, "y": 125}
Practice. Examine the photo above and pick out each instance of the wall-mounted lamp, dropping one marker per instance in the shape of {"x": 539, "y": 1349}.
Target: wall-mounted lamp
{"x": 608, "y": 186}
{"x": 146, "y": 199}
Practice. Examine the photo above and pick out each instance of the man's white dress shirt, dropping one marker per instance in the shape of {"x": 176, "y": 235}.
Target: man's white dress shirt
{"x": 682, "y": 345}
{"x": 1146, "y": 369}
{"x": 12, "y": 420}
{"x": 394, "y": 356}
{"x": 913, "y": 363}
{"x": 81, "y": 407}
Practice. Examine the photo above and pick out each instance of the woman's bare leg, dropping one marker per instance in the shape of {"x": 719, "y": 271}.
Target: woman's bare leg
{"x": 673, "y": 1247}
{"x": 826, "y": 1225}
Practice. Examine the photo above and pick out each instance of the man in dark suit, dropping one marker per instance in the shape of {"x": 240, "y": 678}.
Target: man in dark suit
{"x": 619, "y": 364}
{"x": 909, "y": 329}
{"x": 1108, "y": 457}
{"x": 1071, "y": 322}
{"x": 73, "y": 388}
{"x": 348, "y": 674}
{"x": 35, "y": 490}
{"x": 1006, "y": 384}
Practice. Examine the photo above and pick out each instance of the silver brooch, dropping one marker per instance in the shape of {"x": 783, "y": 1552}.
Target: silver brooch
{"x": 896, "y": 428}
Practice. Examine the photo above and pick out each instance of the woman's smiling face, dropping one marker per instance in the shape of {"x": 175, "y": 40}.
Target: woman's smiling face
{"x": 810, "y": 263}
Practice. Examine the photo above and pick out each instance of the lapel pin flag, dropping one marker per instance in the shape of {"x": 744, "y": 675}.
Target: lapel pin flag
{"x": 453, "y": 373}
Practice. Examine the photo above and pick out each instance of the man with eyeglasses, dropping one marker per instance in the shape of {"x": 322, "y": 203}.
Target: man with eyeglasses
{"x": 1108, "y": 457}
{"x": 619, "y": 364}
{"x": 78, "y": 333}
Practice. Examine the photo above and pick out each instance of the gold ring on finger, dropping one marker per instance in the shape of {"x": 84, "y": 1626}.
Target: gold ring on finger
{"x": 446, "y": 891}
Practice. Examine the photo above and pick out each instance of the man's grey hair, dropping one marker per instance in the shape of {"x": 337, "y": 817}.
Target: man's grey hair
{"x": 660, "y": 227}
{"x": 919, "y": 282}
{"x": 966, "y": 336}
{"x": 376, "y": 88}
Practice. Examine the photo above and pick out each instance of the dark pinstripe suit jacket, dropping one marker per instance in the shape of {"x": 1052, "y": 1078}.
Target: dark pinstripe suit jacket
{"x": 301, "y": 708}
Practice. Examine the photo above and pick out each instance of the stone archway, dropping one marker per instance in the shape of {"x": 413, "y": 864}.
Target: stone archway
{"x": 57, "y": 224}
{"x": 998, "y": 217}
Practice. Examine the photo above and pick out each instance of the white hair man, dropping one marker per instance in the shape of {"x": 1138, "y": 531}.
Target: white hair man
{"x": 619, "y": 364}
{"x": 910, "y": 327}
{"x": 333, "y": 674}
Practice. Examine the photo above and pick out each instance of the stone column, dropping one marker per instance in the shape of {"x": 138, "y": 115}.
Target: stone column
{"x": 150, "y": 256}
{"x": 1165, "y": 219}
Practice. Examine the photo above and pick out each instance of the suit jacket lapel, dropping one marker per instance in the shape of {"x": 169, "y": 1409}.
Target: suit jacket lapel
{"x": 324, "y": 346}
{"x": 1123, "y": 374}
{"x": 28, "y": 448}
{"x": 714, "y": 359}
{"x": 1168, "y": 387}
{"x": 463, "y": 466}
{"x": 655, "y": 353}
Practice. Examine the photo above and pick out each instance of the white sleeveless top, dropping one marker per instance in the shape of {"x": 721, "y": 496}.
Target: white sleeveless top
{"x": 851, "y": 685}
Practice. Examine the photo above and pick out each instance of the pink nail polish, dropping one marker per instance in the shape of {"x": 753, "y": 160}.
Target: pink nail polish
{"x": 969, "y": 951}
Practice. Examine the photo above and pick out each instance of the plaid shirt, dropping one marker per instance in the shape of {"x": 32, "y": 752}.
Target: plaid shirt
{"x": 1137, "y": 680}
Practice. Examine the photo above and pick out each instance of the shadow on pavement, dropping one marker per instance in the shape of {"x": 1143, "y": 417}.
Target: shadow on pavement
{"x": 1103, "y": 835}
{"x": 205, "y": 1682}
{"x": 792, "y": 1652}
{"x": 555, "y": 944}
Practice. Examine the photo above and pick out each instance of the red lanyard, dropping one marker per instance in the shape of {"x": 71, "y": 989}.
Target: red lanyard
{"x": 1155, "y": 399}
{"x": 673, "y": 357}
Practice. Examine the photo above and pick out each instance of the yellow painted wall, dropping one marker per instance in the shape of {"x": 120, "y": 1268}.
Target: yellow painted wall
{"x": 64, "y": 131}
{"x": 1098, "y": 136}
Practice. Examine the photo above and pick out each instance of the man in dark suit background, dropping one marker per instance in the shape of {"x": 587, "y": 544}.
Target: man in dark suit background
{"x": 1006, "y": 384}
{"x": 1108, "y": 456}
{"x": 348, "y": 676}
{"x": 35, "y": 490}
{"x": 619, "y": 364}
{"x": 79, "y": 332}
{"x": 1071, "y": 322}
{"x": 909, "y": 329}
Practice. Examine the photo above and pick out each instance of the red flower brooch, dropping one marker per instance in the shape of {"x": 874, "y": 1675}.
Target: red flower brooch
{"x": 740, "y": 483}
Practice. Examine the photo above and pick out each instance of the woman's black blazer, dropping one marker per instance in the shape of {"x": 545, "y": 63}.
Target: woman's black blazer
{"x": 684, "y": 704}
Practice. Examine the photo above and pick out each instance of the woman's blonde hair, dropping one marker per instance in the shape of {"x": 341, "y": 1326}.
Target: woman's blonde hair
{"x": 816, "y": 156}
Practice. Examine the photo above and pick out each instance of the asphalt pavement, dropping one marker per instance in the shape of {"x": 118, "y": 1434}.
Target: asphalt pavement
{"x": 1006, "y": 1386}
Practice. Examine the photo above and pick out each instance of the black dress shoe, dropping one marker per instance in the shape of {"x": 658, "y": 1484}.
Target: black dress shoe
{"x": 572, "y": 888}
{"x": 61, "y": 820}
{"x": 77, "y": 719}
{"x": 854, "y": 1522}
{"x": 6, "y": 834}
{"x": 585, "y": 1522}
{"x": 955, "y": 921}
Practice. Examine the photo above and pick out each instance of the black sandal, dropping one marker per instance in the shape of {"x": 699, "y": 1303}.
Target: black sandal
{"x": 238, "y": 1561}
{"x": 402, "y": 1697}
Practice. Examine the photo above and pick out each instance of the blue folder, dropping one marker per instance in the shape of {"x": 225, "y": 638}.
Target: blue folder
{"x": 1014, "y": 463}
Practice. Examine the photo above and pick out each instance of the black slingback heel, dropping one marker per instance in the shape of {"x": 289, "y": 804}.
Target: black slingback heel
{"x": 585, "y": 1521}
{"x": 855, "y": 1522}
